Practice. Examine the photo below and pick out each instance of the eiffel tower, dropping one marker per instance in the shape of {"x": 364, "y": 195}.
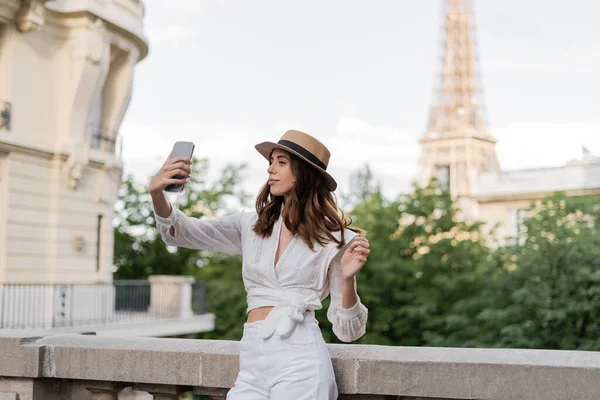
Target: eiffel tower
{"x": 457, "y": 146}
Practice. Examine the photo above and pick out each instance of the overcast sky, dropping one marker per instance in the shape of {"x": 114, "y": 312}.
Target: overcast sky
{"x": 359, "y": 75}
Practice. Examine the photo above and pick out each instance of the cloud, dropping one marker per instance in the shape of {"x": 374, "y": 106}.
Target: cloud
{"x": 589, "y": 57}
{"x": 172, "y": 33}
{"x": 145, "y": 148}
{"x": 390, "y": 153}
{"x": 176, "y": 20}
{"x": 383, "y": 146}
{"x": 533, "y": 144}
{"x": 178, "y": 8}
{"x": 570, "y": 62}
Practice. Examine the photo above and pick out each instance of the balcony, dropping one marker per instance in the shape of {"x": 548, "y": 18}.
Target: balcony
{"x": 135, "y": 7}
{"x": 5, "y": 113}
{"x": 82, "y": 367}
{"x": 124, "y": 16}
{"x": 160, "y": 306}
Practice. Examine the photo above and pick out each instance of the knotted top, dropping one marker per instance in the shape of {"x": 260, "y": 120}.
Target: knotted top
{"x": 283, "y": 318}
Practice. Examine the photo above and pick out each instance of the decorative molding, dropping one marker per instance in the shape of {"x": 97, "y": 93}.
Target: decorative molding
{"x": 75, "y": 172}
{"x": 8, "y": 9}
{"x": 30, "y": 16}
{"x": 89, "y": 65}
{"x": 76, "y": 162}
{"x": 124, "y": 43}
{"x": 97, "y": 29}
{"x": 108, "y": 182}
{"x": 507, "y": 198}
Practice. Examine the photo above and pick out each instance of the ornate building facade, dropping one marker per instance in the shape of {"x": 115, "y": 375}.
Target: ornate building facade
{"x": 66, "y": 73}
{"x": 458, "y": 149}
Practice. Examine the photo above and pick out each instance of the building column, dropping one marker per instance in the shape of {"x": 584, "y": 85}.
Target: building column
{"x": 3, "y": 216}
{"x": 116, "y": 94}
{"x": 89, "y": 66}
{"x": 171, "y": 296}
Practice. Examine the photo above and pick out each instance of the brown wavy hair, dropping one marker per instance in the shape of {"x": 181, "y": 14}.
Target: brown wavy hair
{"x": 310, "y": 211}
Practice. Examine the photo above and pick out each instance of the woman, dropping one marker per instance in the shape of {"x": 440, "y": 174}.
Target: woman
{"x": 296, "y": 249}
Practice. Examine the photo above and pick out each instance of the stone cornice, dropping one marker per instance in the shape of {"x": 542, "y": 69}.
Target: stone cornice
{"x": 361, "y": 370}
{"x": 508, "y": 197}
{"x": 123, "y": 28}
{"x": 97, "y": 158}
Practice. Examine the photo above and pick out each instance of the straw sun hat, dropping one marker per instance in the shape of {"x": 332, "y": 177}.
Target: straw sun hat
{"x": 304, "y": 146}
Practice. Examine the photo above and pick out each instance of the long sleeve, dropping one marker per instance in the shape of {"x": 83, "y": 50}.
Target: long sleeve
{"x": 223, "y": 235}
{"x": 351, "y": 323}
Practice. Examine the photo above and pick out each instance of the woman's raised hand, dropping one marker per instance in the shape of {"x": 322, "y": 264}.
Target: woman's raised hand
{"x": 355, "y": 257}
{"x": 181, "y": 166}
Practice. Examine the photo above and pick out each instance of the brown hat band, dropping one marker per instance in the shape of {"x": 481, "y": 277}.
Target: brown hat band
{"x": 303, "y": 152}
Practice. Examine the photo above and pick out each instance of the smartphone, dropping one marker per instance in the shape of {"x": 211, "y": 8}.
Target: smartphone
{"x": 185, "y": 149}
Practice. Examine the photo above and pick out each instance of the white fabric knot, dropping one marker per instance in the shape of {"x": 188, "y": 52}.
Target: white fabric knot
{"x": 282, "y": 319}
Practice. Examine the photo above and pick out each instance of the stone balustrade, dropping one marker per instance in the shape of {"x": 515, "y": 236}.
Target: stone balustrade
{"x": 69, "y": 367}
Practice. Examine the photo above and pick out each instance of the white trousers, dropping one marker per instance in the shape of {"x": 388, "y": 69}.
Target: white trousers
{"x": 297, "y": 367}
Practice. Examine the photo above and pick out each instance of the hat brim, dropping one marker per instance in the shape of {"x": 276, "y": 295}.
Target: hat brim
{"x": 265, "y": 149}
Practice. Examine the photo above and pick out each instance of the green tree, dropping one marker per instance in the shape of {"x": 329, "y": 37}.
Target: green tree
{"x": 547, "y": 289}
{"x": 362, "y": 186}
{"x": 422, "y": 267}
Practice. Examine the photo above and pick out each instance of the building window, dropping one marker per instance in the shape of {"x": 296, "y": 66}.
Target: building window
{"x": 519, "y": 232}
{"x": 99, "y": 242}
{"x": 443, "y": 175}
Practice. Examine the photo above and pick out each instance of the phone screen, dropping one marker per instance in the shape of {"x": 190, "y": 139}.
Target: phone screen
{"x": 180, "y": 149}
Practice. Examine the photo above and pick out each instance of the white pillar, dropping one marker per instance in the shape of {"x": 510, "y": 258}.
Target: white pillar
{"x": 171, "y": 296}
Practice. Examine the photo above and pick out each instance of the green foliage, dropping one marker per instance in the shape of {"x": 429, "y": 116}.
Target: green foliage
{"x": 548, "y": 290}
{"x": 431, "y": 279}
{"x": 362, "y": 187}
{"x": 422, "y": 265}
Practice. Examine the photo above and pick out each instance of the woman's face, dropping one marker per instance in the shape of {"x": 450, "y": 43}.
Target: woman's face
{"x": 281, "y": 178}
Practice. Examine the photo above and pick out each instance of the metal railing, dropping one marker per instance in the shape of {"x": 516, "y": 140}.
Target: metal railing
{"x": 105, "y": 140}
{"x": 5, "y": 114}
{"x": 199, "y": 298}
{"x": 29, "y": 306}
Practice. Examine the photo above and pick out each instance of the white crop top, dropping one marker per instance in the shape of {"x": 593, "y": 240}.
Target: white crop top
{"x": 299, "y": 282}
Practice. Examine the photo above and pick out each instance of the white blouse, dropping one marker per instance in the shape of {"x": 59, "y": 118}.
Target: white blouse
{"x": 298, "y": 283}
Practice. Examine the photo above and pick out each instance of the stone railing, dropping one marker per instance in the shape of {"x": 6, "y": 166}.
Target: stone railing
{"x": 69, "y": 367}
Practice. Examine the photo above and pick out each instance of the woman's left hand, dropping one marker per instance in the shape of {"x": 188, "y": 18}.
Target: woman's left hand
{"x": 354, "y": 257}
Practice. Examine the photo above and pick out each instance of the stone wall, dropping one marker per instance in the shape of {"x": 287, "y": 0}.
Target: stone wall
{"x": 72, "y": 366}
